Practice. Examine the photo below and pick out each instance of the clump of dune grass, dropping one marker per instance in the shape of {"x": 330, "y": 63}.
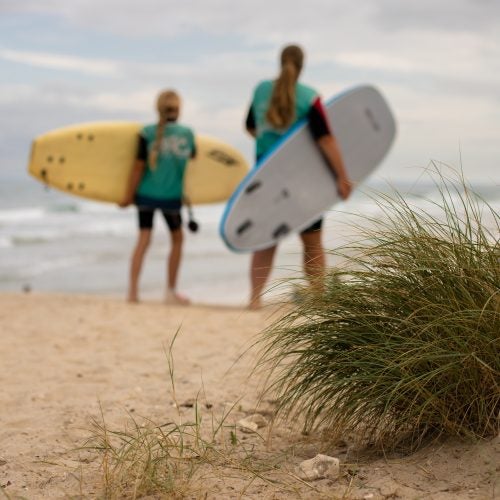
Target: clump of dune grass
{"x": 403, "y": 342}
{"x": 145, "y": 458}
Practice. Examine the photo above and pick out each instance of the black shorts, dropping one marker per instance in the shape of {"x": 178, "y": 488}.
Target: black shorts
{"x": 171, "y": 210}
{"x": 173, "y": 219}
{"x": 315, "y": 226}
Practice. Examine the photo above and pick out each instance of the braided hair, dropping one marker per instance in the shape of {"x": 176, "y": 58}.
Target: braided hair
{"x": 167, "y": 105}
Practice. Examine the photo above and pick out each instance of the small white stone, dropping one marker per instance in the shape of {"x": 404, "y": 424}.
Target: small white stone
{"x": 258, "y": 419}
{"x": 319, "y": 467}
{"x": 247, "y": 426}
{"x": 252, "y": 423}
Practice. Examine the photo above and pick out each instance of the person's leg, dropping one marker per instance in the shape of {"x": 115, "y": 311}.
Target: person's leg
{"x": 174, "y": 222}
{"x": 136, "y": 263}
{"x": 314, "y": 256}
{"x": 260, "y": 269}
{"x": 174, "y": 258}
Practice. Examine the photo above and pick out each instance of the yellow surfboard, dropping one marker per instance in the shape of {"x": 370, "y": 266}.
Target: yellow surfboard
{"x": 94, "y": 160}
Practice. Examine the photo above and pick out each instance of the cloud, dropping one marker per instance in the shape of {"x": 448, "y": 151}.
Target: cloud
{"x": 169, "y": 18}
{"x": 387, "y": 35}
{"x": 100, "y": 67}
{"x": 430, "y": 15}
{"x": 26, "y": 98}
{"x": 90, "y": 66}
{"x": 453, "y": 58}
{"x": 261, "y": 20}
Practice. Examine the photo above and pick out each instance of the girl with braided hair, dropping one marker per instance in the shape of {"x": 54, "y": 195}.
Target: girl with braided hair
{"x": 156, "y": 182}
{"x": 276, "y": 106}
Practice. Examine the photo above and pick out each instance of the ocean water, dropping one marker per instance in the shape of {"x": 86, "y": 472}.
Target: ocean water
{"x": 53, "y": 242}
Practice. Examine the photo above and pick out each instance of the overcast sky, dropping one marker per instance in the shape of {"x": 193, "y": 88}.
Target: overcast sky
{"x": 436, "y": 61}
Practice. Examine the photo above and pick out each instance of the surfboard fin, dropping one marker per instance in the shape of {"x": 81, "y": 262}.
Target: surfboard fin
{"x": 244, "y": 227}
{"x": 280, "y": 231}
{"x": 253, "y": 187}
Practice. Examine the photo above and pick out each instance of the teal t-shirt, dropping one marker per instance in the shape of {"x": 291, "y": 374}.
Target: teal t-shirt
{"x": 267, "y": 135}
{"x": 165, "y": 180}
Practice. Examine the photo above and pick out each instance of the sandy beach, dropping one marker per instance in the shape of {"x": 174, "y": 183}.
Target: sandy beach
{"x": 66, "y": 359}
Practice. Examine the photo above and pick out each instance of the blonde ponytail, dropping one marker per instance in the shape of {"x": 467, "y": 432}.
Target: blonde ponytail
{"x": 281, "y": 111}
{"x": 167, "y": 100}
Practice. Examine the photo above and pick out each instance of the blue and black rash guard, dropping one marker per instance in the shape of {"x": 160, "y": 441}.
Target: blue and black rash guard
{"x": 318, "y": 122}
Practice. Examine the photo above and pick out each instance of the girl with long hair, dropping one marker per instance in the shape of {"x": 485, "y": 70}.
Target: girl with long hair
{"x": 156, "y": 183}
{"x": 276, "y": 106}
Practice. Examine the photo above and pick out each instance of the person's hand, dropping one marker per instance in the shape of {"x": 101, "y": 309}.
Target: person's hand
{"x": 125, "y": 203}
{"x": 344, "y": 187}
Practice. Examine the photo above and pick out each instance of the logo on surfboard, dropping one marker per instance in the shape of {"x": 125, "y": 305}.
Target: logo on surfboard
{"x": 222, "y": 157}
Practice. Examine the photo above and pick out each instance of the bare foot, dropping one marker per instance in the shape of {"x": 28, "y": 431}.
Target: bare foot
{"x": 133, "y": 299}
{"x": 175, "y": 298}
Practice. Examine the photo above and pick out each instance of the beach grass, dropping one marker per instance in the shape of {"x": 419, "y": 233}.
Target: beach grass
{"x": 181, "y": 458}
{"x": 403, "y": 342}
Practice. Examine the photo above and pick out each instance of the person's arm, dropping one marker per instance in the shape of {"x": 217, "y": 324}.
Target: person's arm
{"x": 133, "y": 182}
{"x": 250, "y": 123}
{"x": 193, "y": 148}
{"x": 329, "y": 148}
{"x": 136, "y": 173}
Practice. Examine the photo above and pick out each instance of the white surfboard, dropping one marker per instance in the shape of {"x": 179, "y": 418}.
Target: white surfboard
{"x": 292, "y": 185}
